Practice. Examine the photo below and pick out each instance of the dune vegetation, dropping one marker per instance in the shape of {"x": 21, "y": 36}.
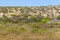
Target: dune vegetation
{"x": 30, "y": 23}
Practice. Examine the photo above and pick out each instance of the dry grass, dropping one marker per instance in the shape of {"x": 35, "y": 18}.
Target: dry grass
{"x": 24, "y": 32}
{"x": 31, "y": 36}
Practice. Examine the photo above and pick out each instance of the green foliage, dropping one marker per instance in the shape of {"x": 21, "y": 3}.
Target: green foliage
{"x": 14, "y": 29}
{"x": 13, "y": 14}
{"x": 20, "y": 29}
{"x": 39, "y": 30}
{"x": 51, "y": 26}
{"x": 34, "y": 30}
{"x": 42, "y": 30}
{"x": 58, "y": 17}
{"x": 1, "y": 27}
{"x": 8, "y": 30}
{"x": 56, "y": 23}
{"x": 33, "y": 18}
{"x": 35, "y": 25}
{"x": 44, "y": 20}
{"x": 5, "y": 19}
{"x": 22, "y": 10}
{"x": 24, "y": 18}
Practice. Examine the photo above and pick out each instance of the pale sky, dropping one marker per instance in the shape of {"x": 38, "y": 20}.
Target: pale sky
{"x": 29, "y": 2}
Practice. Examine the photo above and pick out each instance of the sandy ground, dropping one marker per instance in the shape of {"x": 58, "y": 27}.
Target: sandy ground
{"x": 31, "y": 36}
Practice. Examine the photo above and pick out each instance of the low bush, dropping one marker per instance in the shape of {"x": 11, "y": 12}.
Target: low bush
{"x": 44, "y": 20}
{"x": 58, "y": 17}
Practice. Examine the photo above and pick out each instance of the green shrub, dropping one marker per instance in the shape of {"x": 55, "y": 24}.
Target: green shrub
{"x": 44, "y": 20}
{"x": 58, "y": 17}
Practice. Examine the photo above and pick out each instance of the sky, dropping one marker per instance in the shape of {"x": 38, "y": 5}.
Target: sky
{"x": 29, "y": 2}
